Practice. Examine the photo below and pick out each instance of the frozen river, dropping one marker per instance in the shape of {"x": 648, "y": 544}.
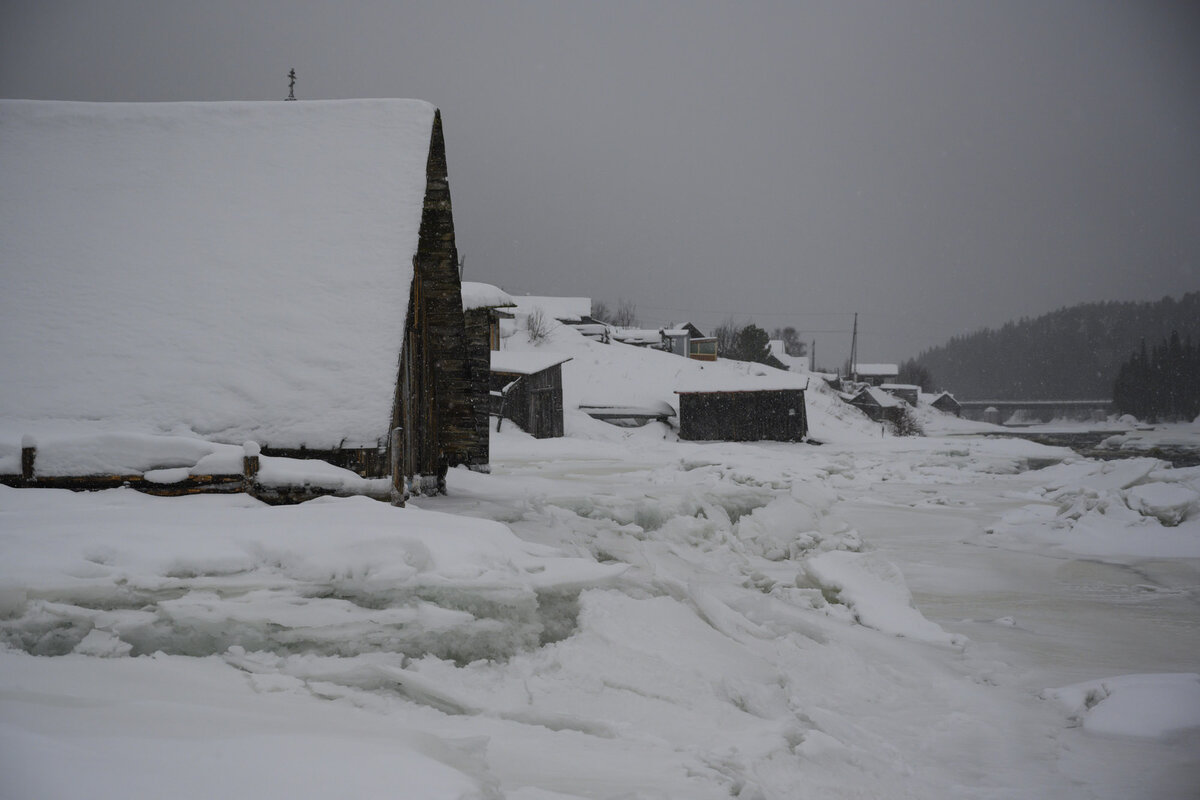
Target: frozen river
{"x": 1045, "y": 616}
{"x": 1064, "y": 617}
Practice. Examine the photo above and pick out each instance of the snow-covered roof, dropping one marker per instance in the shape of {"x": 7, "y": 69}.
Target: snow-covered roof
{"x": 564, "y": 309}
{"x": 638, "y": 335}
{"x": 775, "y": 380}
{"x": 525, "y": 362}
{"x": 484, "y": 295}
{"x": 793, "y": 363}
{"x": 879, "y": 397}
{"x": 900, "y": 387}
{"x": 239, "y": 270}
{"x": 876, "y": 370}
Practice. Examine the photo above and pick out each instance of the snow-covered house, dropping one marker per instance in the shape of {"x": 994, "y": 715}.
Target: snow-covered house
{"x": 946, "y": 403}
{"x": 878, "y": 405}
{"x": 876, "y": 374}
{"x": 690, "y": 342}
{"x": 278, "y": 272}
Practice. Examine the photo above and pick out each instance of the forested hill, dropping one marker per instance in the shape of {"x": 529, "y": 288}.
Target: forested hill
{"x": 1071, "y": 353}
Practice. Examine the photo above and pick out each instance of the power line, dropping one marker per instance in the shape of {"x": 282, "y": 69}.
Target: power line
{"x": 750, "y": 313}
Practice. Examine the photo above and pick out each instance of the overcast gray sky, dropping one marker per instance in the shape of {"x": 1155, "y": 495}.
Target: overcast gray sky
{"x": 935, "y": 166}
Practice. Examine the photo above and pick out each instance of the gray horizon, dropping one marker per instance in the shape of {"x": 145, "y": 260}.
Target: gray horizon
{"x": 935, "y": 167}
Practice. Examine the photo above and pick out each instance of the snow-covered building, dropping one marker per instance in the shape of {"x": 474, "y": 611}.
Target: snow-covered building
{"x": 876, "y": 374}
{"x": 946, "y": 402}
{"x": 744, "y": 408}
{"x": 878, "y": 404}
{"x": 527, "y": 388}
{"x": 278, "y": 272}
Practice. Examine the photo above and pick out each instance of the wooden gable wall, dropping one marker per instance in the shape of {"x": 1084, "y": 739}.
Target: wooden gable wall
{"x": 434, "y": 409}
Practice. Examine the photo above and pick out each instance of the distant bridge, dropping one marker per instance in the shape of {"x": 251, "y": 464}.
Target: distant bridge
{"x": 1035, "y": 410}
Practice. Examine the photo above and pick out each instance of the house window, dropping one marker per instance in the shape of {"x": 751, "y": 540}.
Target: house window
{"x": 703, "y": 349}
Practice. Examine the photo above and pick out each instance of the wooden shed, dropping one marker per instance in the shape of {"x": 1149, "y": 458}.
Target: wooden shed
{"x": 484, "y": 306}
{"x": 282, "y": 273}
{"x": 527, "y": 388}
{"x": 744, "y": 412}
{"x": 946, "y": 403}
{"x": 875, "y": 374}
{"x": 878, "y": 405}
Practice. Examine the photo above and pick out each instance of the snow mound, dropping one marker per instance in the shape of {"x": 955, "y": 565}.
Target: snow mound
{"x": 875, "y": 592}
{"x": 1146, "y": 706}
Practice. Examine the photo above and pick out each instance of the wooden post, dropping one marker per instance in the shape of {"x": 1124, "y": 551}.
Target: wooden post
{"x": 28, "y": 456}
{"x": 399, "y": 495}
{"x": 250, "y": 463}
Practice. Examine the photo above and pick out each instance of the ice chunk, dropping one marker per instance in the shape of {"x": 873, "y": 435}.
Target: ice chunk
{"x": 103, "y": 644}
{"x": 1171, "y": 503}
{"x": 876, "y": 592}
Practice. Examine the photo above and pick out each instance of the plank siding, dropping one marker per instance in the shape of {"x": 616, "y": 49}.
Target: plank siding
{"x": 535, "y": 404}
{"x": 775, "y": 415}
{"x": 435, "y": 403}
{"x": 479, "y": 322}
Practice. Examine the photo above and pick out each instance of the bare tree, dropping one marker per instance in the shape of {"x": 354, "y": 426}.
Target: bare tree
{"x": 537, "y": 326}
{"x": 792, "y": 345}
{"x": 626, "y": 314}
{"x": 601, "y": 311}
{"x": 726, "y": 335}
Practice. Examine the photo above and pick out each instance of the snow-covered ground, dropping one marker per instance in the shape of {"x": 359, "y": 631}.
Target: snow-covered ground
{"x": 618, "y": 614}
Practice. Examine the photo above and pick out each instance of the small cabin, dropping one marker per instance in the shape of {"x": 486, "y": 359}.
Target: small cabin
{"x": 743, "y": 411}
{"x": 876, "y": 374}
{"x": 527, "y": 388}
{"x": 278, "y": 274}
{"x": 946, "y": 403}
{"x": 878, "y": 405}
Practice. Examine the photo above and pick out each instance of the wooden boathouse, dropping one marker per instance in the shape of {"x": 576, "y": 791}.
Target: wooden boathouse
{"x": 746, "y": 410}
{"x": 283, "y": 274}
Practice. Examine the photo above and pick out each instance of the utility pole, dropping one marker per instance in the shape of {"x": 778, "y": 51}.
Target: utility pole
{"x": 854, "y": 351}
{"x": 291, "y": 84}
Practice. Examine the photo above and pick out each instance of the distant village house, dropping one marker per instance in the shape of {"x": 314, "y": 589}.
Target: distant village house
{"x": 875, "y": 374}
